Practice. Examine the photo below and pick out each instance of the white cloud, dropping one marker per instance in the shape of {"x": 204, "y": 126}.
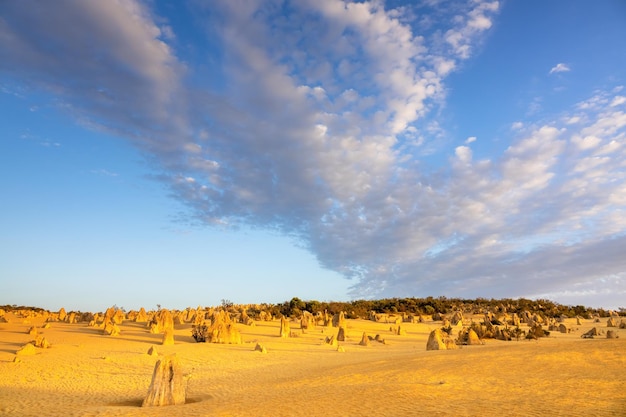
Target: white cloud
{"x": 315, "y": 150}
{"x": 470, "y": 140}
{"x": 464, "y": 154}
{"x": 560, "y": 67}
{"x": 618, "y": 101}
{"x": 104, "y": 172}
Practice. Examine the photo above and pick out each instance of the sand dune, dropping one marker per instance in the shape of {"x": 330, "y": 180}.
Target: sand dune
{"x": 86, "y": 373}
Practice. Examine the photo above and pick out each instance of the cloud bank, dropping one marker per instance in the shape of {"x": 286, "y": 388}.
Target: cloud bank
{"x": 312, "y": 118}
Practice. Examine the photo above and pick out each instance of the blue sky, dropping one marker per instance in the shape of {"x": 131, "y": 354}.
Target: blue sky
{"x": 174, "y": 153}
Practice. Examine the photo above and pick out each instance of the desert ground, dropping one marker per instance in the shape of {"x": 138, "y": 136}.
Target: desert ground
{"x": 87, "y": 373}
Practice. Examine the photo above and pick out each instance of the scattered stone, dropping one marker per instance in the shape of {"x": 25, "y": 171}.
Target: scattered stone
{"x": 591, "y": 333}
{"x": 62, "y": 314}
{"x": 285, "y": 330}
{"x": 41, "y": 342}
{"x": 27, "y": 349}
{"x": 168, "y": 337}
{"x": 16, "y": 360}
{"x": 341, "y": 334}
{"x": 161, "y": 321}
{"x": 46, "y": 326}
{"x": 33, "y": 331}
{"x": 152, "y": 351}
{"x": 502, "y": 334}
{"x": 468, "y": 336}
{"x": 220, "y": 330}
{"x": 365, "y": 341}
{"x": 265, "y": 316}
{"x": 141, "y": 316}
{"x": 340, "y": 349}
{"x": 611, "y": 322}
{"x": 178, "y": 319}
{"x": 260, "y": 348}
{"x": 563, "y": 328}
{"x": 456, "y": 318}
{"x": 440, "y": 340}
{"x": 307, "y": 321}
{"x": 339, "y": 320}
{"x": 536, "y": 332}
{"x": 111, "y": 329}
{"x": 245, "y": 319}
{"x": 167, "y": 386}
{"x": 611, "y": 334}
{"x": 330, "y": 340}
{"x": 119, "y": 316}
{"x": 166, "y": 325}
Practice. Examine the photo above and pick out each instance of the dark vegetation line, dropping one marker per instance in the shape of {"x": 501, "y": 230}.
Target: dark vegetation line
{"x": 424, "y": 306}
{"x": 427, "y": 306}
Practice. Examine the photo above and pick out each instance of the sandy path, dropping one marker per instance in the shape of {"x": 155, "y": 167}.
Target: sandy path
{"x": 88, "y": 374}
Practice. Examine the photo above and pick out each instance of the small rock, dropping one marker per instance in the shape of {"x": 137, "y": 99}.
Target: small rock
{"x": 27, "y": 349}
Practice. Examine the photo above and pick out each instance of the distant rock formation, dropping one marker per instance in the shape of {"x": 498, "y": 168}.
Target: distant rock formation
{"x": 265, "y": 316}
{"x": 245, "y": 319}
{"x": 456, "y": 318}
{"x": 221, "y": 329}
{"x": 166, "y": 325}
{"x": 285, "y": 330}
{"x": 440, "y": 340}
{"x": 307, "y": 321}
{"x": 591, "y": 333}
{"x": 341, "y": 334}
{"x": 167, "y": 386}
{"x": 339, "y": 320}
{"x": 330, "y": 340}
{"x": 141, "y": 316}
{"x": 365, "y": 341}
{"x": 468, "y": 336}
{"x": 111, "y": 329}
{"x": 41, "y": 342}
{"x": 62, "y": 314}
{"x": 168, "y": 337}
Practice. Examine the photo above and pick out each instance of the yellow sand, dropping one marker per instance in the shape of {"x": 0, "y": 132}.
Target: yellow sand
{"x": 85, "y": 373}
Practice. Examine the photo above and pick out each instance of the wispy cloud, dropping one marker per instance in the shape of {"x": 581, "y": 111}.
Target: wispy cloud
{"x": 104, "y": 172}
{"x": 315, "y": 124}
{"x": 560, "y": 67}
